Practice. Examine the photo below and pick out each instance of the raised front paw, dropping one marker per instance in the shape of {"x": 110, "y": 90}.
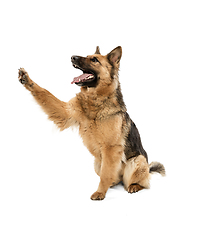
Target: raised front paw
{"x": 98, "y": 196}
{"x": 23, "y": 76}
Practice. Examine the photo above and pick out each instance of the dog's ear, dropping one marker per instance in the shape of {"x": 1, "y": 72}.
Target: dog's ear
{"x": 115, "y": 55}
{"x": 97, "y": 50}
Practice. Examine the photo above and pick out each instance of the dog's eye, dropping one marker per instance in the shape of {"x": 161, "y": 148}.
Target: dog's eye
{"x": 94, "y": 59}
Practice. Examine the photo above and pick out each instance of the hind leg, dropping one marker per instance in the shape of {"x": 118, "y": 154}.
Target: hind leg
{"x": 136, "y": 174}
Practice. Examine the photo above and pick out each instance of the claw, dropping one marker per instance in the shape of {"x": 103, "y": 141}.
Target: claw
{"x": 23, "y": 81}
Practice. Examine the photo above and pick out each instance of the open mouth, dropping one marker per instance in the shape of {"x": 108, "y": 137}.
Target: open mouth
{"x": 84, "y": 78}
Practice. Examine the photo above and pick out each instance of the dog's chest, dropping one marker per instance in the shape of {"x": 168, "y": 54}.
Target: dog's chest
{"x": 92, "y": 134}
{"x": 98, "y": 134}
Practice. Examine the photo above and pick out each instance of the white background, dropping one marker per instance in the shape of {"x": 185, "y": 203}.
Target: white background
{"x": 47, "y": 176}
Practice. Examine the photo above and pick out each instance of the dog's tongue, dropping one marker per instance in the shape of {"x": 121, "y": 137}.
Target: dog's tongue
{"x": 82, "y": 78}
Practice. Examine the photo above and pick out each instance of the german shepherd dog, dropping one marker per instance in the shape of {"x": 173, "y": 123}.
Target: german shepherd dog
{"x": 99, "y": 112}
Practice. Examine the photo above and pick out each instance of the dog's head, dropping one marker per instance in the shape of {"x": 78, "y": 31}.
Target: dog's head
{"x": 98, "y": 70}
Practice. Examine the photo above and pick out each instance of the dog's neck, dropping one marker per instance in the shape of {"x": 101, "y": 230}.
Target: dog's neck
{"x": 97, "y": 103}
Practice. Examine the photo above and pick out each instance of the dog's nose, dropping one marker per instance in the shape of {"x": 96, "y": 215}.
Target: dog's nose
{"x": 74, "y": 58}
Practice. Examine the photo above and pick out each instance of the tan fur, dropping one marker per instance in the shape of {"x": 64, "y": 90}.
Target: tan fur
{"x": 103, "y": 128}
{"x": 136, "y": 172}
{"x": 97, "y": 128}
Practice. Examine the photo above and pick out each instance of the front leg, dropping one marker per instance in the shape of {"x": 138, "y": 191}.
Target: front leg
{"x": 109, "y": 174}
{"x": 53, "y": 107}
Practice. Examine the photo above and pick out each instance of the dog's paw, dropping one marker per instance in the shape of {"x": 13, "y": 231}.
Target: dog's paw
{"x": 133, "y": 188}
{"x": 24, "y": 77}
{"x": 98, "y": 196}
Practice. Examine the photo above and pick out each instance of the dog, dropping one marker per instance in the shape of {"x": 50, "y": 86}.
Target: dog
{"x": 106, "y": 128}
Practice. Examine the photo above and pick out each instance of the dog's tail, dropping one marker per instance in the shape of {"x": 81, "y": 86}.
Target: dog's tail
{"x": 157, "y": 167}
